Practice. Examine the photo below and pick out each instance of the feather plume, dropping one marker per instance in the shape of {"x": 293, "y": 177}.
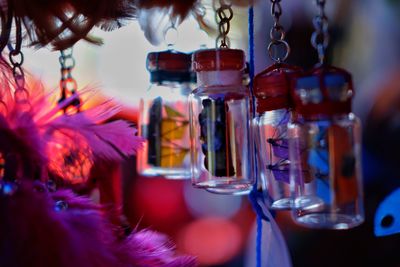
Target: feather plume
{"x": 62, "y": 23}
{"x": 64, "y": 230}
{"x": 66, "y": 144}
{"x": 40, "y": 227}
{"x": 108, "y": 141}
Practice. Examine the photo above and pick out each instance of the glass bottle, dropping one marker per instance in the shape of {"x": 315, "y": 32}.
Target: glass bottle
{"x": 164, "y": 118}
{"x": 324, "y": 151}
{"x": 221, "y": 134}
{"x": 271, "y": 89}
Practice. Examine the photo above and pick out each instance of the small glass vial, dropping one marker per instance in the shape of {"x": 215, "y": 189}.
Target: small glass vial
{"x": 164, "y": 118}
{"x": 324, "y": 152}
{"x": 220, "y": 123}
{"x": 271, "y": 89}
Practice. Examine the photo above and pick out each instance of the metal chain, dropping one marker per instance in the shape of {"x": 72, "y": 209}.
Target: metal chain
{"x": 320, "y": 37}
{"x": 68, "y": 84}
{"x": 16, "y": 57}
{"x": 277, "y": 35}
{"x": 224, "y": 15}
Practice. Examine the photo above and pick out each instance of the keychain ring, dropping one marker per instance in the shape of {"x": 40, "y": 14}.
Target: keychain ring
{"x": 16, "y": 58}
{"x": 276, "y": 44}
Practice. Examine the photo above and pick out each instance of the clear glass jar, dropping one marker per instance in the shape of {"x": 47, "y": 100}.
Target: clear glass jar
{"x": 221, "y": 134}
{"x": 325, "y": 152}
{"x": 271, "y": 90}
{"x": 164, "y": 118}
{"x": 273, "y": 156}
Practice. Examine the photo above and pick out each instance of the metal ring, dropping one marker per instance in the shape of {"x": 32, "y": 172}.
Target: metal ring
{"x": 69, "y": 84}
{"x": 317, "y": 37}
{"x": 19, "y": 76}
{"x": 67, "y": 52}
{"x": 222, "y": 15}
{"x": 277, "y": 43}
{"x": 169, "y": 30}
{"x": 19, "y": 81}
{"x": 13, "y": 55}
{"x": 222, "y": 42}
{"x": 277, "y": 29}
{"x": 276, "y": 9}
{"x": 65, "y": 74}
{"x": 67, "y": 62}
{"x": 224, "y": 26}
{"x": 320, "y": 23}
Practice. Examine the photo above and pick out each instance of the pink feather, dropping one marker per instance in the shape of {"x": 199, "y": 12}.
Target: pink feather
{"x": 108, "y": 141}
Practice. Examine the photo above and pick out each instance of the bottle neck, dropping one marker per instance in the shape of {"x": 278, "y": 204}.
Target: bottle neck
{"x": 168, "y": 87}
{"x": 219, "y": 77}
{"x": 161, "y": 76}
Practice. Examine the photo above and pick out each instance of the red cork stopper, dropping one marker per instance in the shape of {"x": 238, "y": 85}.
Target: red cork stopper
{"x": 325, "y": 91}
{"x": 272, "y": 87}
{"x": 218, "y": 59}
{"x": 169, "y": 61}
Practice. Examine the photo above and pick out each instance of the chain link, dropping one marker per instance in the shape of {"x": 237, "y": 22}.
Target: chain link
{"x": 16, "y": 57}
{"x": 224, "y": 15}
{"x": 278, "y": 48}
{"x": 21, "y": 94}
{"x": 68, "y": 84}
{"x": 320, "y": 37}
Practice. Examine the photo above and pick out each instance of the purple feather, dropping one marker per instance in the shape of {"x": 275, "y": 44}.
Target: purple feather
{"x": 37, "y": 231}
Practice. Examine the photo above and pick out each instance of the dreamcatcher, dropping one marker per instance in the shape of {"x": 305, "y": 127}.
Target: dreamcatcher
{"x": 42, "y": 141}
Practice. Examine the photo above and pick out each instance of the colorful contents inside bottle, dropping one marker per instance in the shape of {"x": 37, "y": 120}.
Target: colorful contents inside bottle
{"x": 328, "y": 139}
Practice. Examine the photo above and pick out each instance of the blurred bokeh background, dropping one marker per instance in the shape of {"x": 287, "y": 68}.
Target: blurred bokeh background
{"x": 365, "y": 39}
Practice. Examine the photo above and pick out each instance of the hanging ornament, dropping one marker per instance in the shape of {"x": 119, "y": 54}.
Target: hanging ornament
{"x": 221, "y": 135}
{"x": 273, "y": 107}
{"x": 164, "y": 121}
{"x": 221, "y": 140}
{"x": 328, "y": 141}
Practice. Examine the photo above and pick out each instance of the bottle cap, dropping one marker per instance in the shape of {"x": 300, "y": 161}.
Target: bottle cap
{"x": 219, "y": 59}
{"x": 170, "y": 66}
{"x": 326, "y": 91}
{"x": 272, "y": 87}
{"x": 169, "y": 61}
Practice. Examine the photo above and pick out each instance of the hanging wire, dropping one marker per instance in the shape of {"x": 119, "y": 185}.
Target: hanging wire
{"x": 224, "y": 15}
{"x": 278, "y": 48}
{"x": 320, "y": 37}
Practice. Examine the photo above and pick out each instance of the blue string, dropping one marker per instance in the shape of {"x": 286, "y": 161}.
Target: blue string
{"x": 255, "y": 194}
{"x": 258, "y": 241}
{"x": 251, "y": 53}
